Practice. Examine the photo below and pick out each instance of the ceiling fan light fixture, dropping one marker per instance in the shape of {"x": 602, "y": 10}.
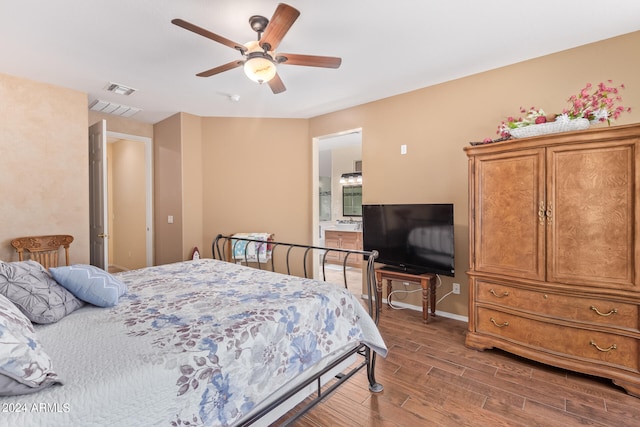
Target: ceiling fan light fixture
{"x": 259, "y": 69}
{"x": 259, "y": 58}
{"x": 259, "y": 66}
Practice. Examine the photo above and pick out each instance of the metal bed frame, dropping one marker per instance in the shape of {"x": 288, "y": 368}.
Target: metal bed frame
{"x": 222, "y": 250}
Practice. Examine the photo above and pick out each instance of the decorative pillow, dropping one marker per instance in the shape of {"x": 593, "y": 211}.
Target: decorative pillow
{"x": 90, "y": 284}
{"x": 24, "y": 366}
{"x": 28, "y": 285}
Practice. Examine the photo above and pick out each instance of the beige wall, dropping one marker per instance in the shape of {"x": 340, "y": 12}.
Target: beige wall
{"x": 192, "y": 186}
{"x": 110, "y": 235}
{"x": 437, "y": 122}
{"x": 178, "y": 184}
{"x": 43, "y": 164}
{"x": 257, "y": 176}
{"x": 256, "y": 173}
{"x": 127, "y": 190}
{"x": 167, "y": 190}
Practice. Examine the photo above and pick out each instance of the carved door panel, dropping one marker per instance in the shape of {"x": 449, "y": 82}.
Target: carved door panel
{"x": 509, "y": 191}
{"x": 592, "y": 196}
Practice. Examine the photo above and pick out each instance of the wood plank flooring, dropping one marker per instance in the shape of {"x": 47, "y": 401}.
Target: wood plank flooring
{"x": 431, "y": 379}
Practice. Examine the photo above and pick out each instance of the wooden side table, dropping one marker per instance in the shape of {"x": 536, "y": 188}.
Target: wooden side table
{"x": 427, "y": 281}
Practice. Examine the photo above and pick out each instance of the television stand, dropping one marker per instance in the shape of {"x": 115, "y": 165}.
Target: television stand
{"x": 426, "y": 280}
{"x": 407, "y": 270}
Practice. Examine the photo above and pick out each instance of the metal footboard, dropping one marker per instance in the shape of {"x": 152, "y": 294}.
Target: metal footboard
{"x": 284, "y": 255}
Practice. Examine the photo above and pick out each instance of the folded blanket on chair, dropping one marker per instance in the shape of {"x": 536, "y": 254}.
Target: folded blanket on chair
{"x": 251, "y": 251}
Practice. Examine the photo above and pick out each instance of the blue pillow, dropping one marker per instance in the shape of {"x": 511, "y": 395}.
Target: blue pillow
{"x": 90, "y": 284}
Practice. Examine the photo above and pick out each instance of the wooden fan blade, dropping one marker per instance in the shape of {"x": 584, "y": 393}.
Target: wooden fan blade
{"x": 276, "y": 84}
{"x": 208, "y": 34}
{"x": 217, "y": 70}
{"x": 282, "y": 19}
{"x": 308, "y": 60}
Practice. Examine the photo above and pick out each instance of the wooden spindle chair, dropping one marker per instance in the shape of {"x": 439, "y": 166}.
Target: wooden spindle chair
{"x": 43, "y": 249}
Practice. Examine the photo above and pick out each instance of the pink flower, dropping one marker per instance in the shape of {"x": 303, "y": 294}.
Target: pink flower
{"x": 598, "y": 105}
{"x": 531, "y": 115}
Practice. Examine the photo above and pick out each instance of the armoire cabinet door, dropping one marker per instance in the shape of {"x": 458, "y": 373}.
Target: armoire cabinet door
{"x": 509, "y": 233}
{"x": 591, "y": 195}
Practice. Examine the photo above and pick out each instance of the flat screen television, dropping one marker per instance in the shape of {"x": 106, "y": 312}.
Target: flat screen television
{"x": 416, "y": 238}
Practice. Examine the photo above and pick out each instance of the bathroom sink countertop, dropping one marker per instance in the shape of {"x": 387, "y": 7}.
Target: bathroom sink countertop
{"x": 345, "y": 227}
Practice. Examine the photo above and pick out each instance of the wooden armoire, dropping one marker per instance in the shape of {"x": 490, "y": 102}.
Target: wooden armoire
{"x": 554, "y": 250}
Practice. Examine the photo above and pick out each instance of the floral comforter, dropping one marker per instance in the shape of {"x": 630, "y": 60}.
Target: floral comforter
{"x": 199, "y": 343}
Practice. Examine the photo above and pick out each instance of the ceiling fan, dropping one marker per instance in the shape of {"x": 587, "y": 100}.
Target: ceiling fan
{"x": 259, "y": 58}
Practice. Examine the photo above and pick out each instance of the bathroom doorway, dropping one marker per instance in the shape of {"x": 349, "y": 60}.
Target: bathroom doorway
{"x": 333, "y": 156}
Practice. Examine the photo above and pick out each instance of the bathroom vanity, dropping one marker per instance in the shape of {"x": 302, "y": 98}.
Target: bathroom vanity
{"x": 344, "y": 239}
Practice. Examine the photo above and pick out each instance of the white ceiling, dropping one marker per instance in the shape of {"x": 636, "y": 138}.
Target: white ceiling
{"x": 387, "y": 47}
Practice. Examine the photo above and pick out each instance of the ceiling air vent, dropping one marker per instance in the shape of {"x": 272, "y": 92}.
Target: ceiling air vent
{"x": 111, "y": 108}
{"x": 119, "y": 89}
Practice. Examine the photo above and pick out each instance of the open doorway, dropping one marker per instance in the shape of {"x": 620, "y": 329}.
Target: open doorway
{"x": 120, "y": 193}
{"x": 129, "y": 202}
{"x": 334, "y": 156}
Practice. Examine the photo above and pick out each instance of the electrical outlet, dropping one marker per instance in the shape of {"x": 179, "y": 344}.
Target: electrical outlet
{"x": 405, "y": 284}
{"x": 456, "y": 288}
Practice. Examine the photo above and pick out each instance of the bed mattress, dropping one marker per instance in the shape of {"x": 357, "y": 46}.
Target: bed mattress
{"x": 200, "y": 342}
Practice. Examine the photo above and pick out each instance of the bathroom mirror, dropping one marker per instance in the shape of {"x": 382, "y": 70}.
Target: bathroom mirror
{"x": 352, "y": 200}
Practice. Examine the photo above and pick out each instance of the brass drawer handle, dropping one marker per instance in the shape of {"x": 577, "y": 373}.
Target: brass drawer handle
{"x": 499, "y": 326}
{"x": 541, "y": 212}
{"x": 611, "y": 347}
{"x": 504, "y": 294}
{"x": 612, "y": 311}
{"x": 549, "y": 214}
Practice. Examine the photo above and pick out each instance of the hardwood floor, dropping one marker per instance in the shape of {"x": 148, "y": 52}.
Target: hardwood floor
{"x": 431, "y": 379}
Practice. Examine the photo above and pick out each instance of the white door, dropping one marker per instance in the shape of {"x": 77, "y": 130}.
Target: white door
{"x": 98, "y": 226}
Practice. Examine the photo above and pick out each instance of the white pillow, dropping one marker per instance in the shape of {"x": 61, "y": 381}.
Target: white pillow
{"x": 90, "y": 284}
{"x": 24, "y": 366}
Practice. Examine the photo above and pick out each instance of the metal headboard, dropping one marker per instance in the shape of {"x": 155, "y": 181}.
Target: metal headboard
{"x": 222, "y": 249}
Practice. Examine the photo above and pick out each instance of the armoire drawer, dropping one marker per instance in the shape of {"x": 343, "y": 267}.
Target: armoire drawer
{"x": 576, "y": 308}
{"x": 580, "y": 343}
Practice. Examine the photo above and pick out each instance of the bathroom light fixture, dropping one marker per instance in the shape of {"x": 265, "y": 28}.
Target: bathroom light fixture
{"x": 353, "y": 178}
